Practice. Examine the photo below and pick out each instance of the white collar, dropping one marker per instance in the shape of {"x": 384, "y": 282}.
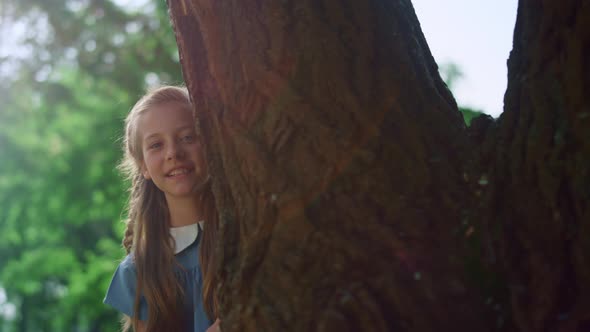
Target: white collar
{"x": 184, "y": 236}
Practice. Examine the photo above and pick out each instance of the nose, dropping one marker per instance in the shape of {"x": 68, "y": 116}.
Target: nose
{"x": 174, "y": 151}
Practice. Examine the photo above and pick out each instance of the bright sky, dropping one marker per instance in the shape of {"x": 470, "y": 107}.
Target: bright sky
{"x": 476, "y": 35}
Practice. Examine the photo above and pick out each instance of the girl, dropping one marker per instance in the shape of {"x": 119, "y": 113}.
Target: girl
{"x": 166, "y": 282}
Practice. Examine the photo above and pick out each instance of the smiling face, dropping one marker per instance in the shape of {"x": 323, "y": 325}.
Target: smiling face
{"x": 172, "y": 154}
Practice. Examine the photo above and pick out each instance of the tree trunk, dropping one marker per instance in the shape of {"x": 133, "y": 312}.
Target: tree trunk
{"x": 536, "y": 159}
{"x": 345, "y": 177}
{"x": 23, "y": 319}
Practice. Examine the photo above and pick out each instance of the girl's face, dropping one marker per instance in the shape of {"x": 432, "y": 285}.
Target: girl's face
{"x": 172, "y": 154}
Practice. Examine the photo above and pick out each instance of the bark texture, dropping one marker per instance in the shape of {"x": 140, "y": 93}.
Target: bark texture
{"x": 536, "y": 167}
{"x": 348, "y": 191}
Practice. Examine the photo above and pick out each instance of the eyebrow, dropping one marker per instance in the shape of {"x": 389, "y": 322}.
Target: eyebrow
{"x": 181, "y": 128}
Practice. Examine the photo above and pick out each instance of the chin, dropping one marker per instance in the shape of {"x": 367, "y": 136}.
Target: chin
{"x": 181, "y": 195}
{"x": 181, "y": 192}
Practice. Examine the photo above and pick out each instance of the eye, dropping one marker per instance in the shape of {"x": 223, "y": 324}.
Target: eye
{"x": 188, "y": 138}
{"x": 154, "y": 145}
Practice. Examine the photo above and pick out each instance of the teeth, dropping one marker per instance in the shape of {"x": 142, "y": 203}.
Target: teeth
{"x": 178, "y": 171}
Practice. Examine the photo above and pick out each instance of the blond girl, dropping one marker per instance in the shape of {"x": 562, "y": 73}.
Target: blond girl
{"x": 166, "y": 281}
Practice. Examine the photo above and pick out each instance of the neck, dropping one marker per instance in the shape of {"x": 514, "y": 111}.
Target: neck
{"x": 184, "y": 211}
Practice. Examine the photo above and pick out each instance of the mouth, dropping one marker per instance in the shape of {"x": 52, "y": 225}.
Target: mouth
{"x": 178, "y": 172}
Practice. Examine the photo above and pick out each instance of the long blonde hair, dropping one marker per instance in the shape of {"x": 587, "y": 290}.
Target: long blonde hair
{"x": 147, "y": 235}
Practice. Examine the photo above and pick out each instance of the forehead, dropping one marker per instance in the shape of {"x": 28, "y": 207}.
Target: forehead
{"x": 165, "y": 118}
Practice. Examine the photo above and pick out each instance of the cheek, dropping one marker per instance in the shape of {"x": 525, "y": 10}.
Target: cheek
{"x": 151, "y": 160}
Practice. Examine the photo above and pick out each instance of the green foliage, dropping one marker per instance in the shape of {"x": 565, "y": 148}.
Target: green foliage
{"x": 61, "y": 198}
{"x": 451, "y": 73}
{"x": 469, "y": 114}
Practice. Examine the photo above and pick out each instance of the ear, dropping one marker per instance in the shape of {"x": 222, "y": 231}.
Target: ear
{"x": 145, "y": 172}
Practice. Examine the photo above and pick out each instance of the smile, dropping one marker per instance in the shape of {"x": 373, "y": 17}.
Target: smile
{"x": 178, "y": 172}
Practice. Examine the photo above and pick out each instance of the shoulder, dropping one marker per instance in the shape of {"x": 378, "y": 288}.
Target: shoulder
{"x": 121, "y": 291}
{"x": 126, "y": 268}
{"x": 126, "y": 272}
{"x": 128, "y": 262}
{"x": 125, "y": 275}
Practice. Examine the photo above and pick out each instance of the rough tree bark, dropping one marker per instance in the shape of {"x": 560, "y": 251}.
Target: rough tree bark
{"x": 536, "y": 207}
{"x": 350, "y": 192}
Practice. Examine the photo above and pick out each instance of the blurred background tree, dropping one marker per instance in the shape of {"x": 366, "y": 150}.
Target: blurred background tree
{"x": 69, "y": 72}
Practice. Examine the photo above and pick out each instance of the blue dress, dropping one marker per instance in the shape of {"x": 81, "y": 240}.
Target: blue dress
{"x": 121, "y": 292}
